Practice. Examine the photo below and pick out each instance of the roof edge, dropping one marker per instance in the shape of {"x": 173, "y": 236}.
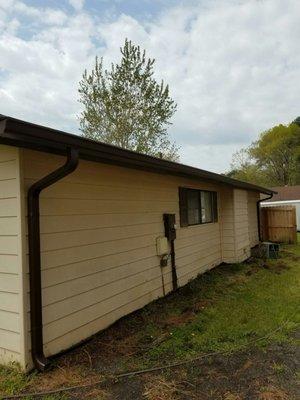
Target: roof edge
{"x": 20, "y": 133}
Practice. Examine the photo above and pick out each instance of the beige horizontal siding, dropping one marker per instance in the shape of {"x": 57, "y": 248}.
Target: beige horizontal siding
{"x": 104, "y": 320}
{"x": 9, "y": 302}
{"x": 10, "y": 320}
{"x": 242, "y": 238}
{"x": 10, "y": 348}
{"x": 239, "y": 223}
{"x": 9, "y": 283}
{"x": 95, "y": 306}
{"x": 98, "y": 240}
{"x": 9, "y": 263}
{"x": 227, "y": 225}
{"x": 11, "y": 312}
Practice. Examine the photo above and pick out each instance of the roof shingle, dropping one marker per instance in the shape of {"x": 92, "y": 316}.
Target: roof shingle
{"x": 286, "y": 193}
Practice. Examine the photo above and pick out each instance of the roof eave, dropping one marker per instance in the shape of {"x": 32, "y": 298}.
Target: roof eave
{"x": 24, "y": 134}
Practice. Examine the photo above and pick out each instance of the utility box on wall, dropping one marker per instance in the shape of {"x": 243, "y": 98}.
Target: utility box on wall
{"x": 162, "y": 246}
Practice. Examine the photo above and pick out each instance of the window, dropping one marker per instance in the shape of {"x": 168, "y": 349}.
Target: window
{"x": 206, "y": 207}
{"x": 193, "y": 207}
{"x": 197, "y": 206}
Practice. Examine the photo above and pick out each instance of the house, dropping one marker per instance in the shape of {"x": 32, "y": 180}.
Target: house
{"x": 91, "y": 232}
{"x": 286, "y": 196}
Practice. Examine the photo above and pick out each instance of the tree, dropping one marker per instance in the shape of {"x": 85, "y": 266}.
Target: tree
{"x": 273, "y": 160}
{"x": 275, "y": 153}
{"x": 297, "y": 121}
{"x": 126, "y": 107}
{"x": 244, "y": 168}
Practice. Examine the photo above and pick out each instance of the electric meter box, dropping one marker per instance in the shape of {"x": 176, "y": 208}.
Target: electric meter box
{"x": 162, "y": 246}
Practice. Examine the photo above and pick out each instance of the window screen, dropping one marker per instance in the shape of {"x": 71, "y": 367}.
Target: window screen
{"x": 193, "y": 207}
{"x": 206, "y": 207}
{"x": 197, "y": 206}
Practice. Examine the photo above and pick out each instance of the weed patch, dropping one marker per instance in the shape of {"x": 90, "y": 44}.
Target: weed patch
{"x": 159, "y": 388}
{"x": 273, "y": 393}
{"x": 232, "y": 307}
{"x": 228, "y": 309}
{"x": 12, "y": 380}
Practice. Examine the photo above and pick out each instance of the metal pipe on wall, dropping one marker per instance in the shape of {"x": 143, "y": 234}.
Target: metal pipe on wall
{"x": 258, "y": 214}
{"x": 33, "y": 205}
{"x": 173, "y": 266}
{"x": 170, "y": 233}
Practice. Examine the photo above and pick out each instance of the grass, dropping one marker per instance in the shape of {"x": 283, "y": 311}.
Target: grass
{"x": 279, "y": 368}
{"x": 12, "y": 380}
{"x": 225, "y": 309}
{"x": 159, "y": 388}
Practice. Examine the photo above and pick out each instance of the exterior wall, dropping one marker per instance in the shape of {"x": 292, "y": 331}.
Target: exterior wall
{"x": 227, "y": 225}
{"x": 241, "y": 225}
{"x": 11, "y": 281}
{"x": 98, "y": 241}
{"x": 253, "y": 197}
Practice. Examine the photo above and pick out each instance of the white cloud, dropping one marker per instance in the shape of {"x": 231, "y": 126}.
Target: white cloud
{"x": 45, "y": 16}
{"x": 233, "y": 67}
{"x": 77, "y": 4}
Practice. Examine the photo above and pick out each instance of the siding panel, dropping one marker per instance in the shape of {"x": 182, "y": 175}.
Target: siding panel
{"x": 55, "y": 345}
{"x": 227, "y": 225}
{"x": 242, "y": 238}
{"x": 10, "y": 272}
{"x": 98, "y": 240}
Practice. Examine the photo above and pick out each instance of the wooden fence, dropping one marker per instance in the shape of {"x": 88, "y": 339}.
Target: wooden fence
{"x": 278, "y": 224}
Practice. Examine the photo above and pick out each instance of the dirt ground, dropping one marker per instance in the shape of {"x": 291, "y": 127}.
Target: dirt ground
{"x": 268, "y": 375}
{"x": 267, "y": 367}
{"x": 271, "y": 373}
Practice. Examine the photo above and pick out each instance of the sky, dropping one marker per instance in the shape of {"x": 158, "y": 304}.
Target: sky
{"x": 232, "y": 65}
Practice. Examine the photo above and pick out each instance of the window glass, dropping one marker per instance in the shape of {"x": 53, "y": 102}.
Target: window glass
{"x": 206, "y": 207}
{"x": 193, "y": 201}
{"x": 197, "y": 206}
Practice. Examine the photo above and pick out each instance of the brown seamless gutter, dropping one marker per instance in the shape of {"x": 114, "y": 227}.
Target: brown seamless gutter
{"x": 15, "y": 132}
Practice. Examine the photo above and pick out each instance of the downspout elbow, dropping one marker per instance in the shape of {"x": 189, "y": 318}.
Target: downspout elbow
{"x": 258, "y": 214}
{"x": 33, "y": 205}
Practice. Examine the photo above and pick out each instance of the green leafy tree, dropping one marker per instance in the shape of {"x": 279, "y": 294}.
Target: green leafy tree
{"x": 297, "y": 121}
{"x": 244, "y": 169}
{"x": 126, "y": 107}
{"x": 275, "y": 153}
{"x": 274, "y": 159}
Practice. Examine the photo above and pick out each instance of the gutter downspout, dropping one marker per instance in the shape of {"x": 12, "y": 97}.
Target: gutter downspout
{"x": 173, "y": 265}
{"x": 33, "y": 205}
{"x": 258, "y": 214}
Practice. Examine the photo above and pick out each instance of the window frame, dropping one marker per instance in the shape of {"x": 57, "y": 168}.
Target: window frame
{"x": 183, "y": 206}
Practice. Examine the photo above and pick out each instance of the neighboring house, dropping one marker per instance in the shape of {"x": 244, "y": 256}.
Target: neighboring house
{"x": 286, "y": 196}
{"x": 89, "y": 252}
